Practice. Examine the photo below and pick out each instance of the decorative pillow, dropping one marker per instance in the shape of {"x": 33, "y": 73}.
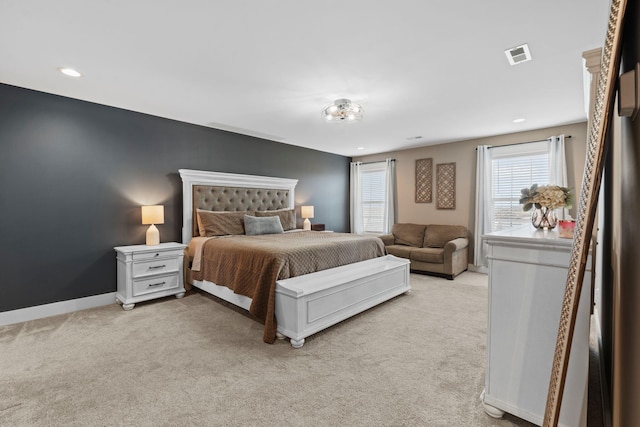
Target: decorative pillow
{"x": 437, "y": 236}
{"x": 287, "y": 217}
{"x": 220, "y": 223}
{"x": 254, "y": 225}
{"x": 408, "y": 234}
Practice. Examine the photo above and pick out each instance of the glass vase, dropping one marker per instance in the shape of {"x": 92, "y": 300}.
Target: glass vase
{"x": 544, "y": 218}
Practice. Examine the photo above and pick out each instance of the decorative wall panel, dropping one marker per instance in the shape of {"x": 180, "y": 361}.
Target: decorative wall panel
{"x": 446, "y": 186}
{"x": 424, "y": 180}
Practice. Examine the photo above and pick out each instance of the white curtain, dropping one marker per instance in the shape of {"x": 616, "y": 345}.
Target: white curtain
{"x": 390, "y": 195}
{"x": 355, "y": 198}
{"x": 483, "y": 203}
{"x": 558, "y": 168}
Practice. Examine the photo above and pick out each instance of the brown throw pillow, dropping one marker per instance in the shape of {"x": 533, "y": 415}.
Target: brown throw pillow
{"x": 287, "y": 217}
{"x": 216, "y": 223}
{"x": 437, "y": 236}
{"x": 408, "y": 234}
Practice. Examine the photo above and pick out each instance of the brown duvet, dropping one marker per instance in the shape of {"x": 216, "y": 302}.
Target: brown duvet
{"x": 250, "y": 265}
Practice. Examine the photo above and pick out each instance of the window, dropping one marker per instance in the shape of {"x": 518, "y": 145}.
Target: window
{"x": 512, "y": 169}
{"x": 501, "y": 173}
{"x": 373, "y": 201}
{"x": 373, "y": 197}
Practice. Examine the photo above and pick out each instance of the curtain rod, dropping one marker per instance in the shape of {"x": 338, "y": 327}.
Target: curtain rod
{"x": 526, "y": 142}
{"x": 377, "y": 161}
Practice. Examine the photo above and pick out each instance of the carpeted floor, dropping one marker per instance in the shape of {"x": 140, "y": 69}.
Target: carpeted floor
{"x": 417, "y": 360}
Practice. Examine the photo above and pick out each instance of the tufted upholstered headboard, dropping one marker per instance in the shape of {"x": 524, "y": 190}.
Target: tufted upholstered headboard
{"x": 237, "y": 199}
{"x": 219, "y": 191}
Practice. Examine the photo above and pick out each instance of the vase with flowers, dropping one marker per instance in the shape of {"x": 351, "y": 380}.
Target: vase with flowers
{"x": 545, "y": 199}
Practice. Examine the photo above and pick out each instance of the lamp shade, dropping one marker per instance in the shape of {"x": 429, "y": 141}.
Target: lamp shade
{"x": 306, "y": 211}
{"x": 153, "y": 214}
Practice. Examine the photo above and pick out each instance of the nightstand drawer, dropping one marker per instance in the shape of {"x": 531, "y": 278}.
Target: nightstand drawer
{"x": 156, "y": 254}
{"x": 159, "y": 266}
{"x": 154, "y": 284}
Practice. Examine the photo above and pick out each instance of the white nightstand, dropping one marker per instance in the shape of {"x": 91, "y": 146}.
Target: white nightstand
{"x": 148, "y": 272}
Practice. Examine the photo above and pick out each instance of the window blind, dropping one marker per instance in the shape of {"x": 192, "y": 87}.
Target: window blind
{"x": 511, "y": 171}
{"x": 373, "y": 197}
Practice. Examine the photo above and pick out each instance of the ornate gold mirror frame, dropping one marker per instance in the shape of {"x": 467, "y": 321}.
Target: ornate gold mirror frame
{"x": 591, "y": 180}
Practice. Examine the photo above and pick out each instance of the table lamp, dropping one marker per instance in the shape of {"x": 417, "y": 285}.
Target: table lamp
{"x": 306, "y": 212}
{"x": 153, "y": 215}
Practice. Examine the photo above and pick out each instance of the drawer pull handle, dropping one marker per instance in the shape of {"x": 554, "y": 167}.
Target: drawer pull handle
{"x": 157, "y": 255}
{"x": 154, "y": 267}
{"x": 152, "y": 285}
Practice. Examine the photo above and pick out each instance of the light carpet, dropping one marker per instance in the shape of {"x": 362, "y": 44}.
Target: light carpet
{"x": 417, "y": 360}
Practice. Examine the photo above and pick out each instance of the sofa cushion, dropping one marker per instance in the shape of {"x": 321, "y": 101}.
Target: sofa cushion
{"x": 430, "y": 255}
{"x": 408, "y": 234}
{"x": 400, "y": 250}
{"x": 436, "y": 236}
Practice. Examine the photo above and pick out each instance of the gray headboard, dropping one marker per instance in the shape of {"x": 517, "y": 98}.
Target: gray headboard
{"x": 219, "y": 191}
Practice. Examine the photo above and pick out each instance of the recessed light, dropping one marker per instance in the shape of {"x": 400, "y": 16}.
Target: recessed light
{"x": 359, "y": 148}
{"x": 69, "y": 72}
{"x": 519, "y": 120}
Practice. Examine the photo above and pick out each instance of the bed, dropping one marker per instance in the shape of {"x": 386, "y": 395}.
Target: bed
{"x": 346, "y": 274}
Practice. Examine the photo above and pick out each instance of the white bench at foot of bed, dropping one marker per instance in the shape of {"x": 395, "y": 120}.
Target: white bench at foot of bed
{"x": 313, "y": 302}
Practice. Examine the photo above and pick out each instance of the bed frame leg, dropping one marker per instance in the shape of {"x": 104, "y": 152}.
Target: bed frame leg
{"x": 297, "y": 343}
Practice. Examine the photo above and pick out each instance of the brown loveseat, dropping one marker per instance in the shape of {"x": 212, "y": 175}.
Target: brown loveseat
{"x": 441, "y": 250}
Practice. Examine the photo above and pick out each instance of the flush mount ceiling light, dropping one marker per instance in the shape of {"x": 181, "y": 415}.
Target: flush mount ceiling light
{"x": 69, "y": 72}
{"x": 519, "y": 120}
{"x": 343, "y": 110}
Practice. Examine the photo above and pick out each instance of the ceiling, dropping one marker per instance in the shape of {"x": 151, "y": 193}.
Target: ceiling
{"x": 429, "y": 69}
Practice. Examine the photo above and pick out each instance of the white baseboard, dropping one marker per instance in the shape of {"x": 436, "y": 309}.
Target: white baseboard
{"x": 478, "y": 268}
{"x": 53, "y": 309}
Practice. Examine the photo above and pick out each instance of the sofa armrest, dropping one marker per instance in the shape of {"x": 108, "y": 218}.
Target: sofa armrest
{"x": 456, "y": 244}
{"x": 456, "y": 256}
{"x": 388, "y": 239}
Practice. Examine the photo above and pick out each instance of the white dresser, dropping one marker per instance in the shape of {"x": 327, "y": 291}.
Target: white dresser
{"x": 527, "y": 277}
{"x": 148, "y": 272}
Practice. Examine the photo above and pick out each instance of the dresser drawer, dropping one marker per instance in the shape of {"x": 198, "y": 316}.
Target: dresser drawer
{"x": 158, "y": 266}
{"x": 155, "y": 284}
{"x": 157, "y": 254}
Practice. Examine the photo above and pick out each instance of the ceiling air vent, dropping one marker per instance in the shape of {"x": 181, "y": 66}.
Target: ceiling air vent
{"x": 518, "y": 54}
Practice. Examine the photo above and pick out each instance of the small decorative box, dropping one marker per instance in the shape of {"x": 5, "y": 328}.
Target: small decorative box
{"x": 317, "y": 227}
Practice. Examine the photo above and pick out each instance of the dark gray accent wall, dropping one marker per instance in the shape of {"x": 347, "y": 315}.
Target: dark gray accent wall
{"x": 74, "y": 174}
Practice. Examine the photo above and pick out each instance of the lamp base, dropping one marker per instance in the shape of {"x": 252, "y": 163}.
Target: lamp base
{"x": 306, "y": 225}
{"x": 153, "y": 236}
